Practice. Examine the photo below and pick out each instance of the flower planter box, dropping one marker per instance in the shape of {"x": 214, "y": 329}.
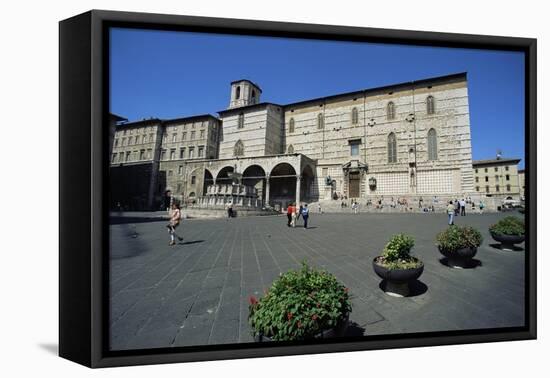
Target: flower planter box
{"x": 507, "y": 241}
{"x": 460, "y": 258}
{"x": 397, "y": 280}
{"x": 338, "y": 331}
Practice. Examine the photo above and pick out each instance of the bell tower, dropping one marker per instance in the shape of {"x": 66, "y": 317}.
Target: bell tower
{"x": 244, "y": 93}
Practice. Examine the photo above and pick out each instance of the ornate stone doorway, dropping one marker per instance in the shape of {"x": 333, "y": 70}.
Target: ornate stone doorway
{"x": 354, "y": 184}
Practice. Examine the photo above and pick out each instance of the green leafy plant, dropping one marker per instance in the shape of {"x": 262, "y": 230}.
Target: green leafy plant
{"x": 456, "y": 237}
{"x": 299, "y": 305}
{"x": 396, "y": 254}
{"x": 508, "y": 226}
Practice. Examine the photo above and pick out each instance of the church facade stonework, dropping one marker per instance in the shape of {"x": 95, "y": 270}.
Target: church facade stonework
{"x": 409, "y": 140}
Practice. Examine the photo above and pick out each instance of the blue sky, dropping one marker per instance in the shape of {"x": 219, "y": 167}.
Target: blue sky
{"x": 175, "y": 74}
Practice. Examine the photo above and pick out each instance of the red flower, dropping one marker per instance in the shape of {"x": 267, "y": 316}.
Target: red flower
{"x": 289, "y": 316}
{"x": 314, "y": 317}
{"x": 252, "y": 300}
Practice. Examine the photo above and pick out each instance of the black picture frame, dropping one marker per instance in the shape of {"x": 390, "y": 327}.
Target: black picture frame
{"x": 83, "y": 165}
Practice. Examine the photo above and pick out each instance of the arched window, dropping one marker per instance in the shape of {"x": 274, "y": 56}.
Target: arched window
{"x": 432, "y": 145}
{"x": 392, "y": 148}
{"x": 354, "y": 116}
{"x": 430, "y": 105}
{"x": 390, "y": 110}
{"x": 291, "y": 125}
{"x": 240, "y": 124}
{"x": 238, "y": 150}
{"x": 238, "y": 93}
{"x": 320, "y": 121}
{"x": 290, "y": 149}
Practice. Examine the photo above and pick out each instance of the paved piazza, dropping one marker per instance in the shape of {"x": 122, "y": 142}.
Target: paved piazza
{"x": 197, "y": 292}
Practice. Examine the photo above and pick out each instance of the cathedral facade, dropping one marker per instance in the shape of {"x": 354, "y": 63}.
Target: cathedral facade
{"x": 408, "y": 140}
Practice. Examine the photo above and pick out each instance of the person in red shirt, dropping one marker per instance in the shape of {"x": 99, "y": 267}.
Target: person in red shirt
{"x": 289, "y": 211}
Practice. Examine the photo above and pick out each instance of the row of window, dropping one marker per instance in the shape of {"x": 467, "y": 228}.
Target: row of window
{"x": 390, "y": 115}
{"x": 497, "y": 177}
{"x": 132, "y": 156}
{"x": 136, "y": 131}
{"x": 497, "y": 188}
{"x": 137, "y": 140}
{"x": 183, "y": 153}
{"x": 183, "y": 136}
{"x": 506, "y": 168}
{"x": 432, "y": 146}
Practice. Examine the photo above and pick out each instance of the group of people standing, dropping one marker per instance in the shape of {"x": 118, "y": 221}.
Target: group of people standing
{"x": 293, "y": 214}
{"x": 458, "y": 207}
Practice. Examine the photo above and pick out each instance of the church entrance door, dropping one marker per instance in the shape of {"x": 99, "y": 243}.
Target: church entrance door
{"x": 354, "y": 184}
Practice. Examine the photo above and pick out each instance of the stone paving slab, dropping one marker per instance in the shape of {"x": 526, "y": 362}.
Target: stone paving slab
{"x": 196, "y": 293}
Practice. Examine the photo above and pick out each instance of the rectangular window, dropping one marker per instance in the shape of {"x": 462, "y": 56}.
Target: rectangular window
{"x": 202, "y": 134}
{"x": 486, "y": 170}
{"x": 193, "y": 180}
{"x": 496, "y": 169}
{"x": 170, "y": 173}
{"x": 130, "y": 141}
{"x": 476, "y": 170}
{"x": 149, "y": 153}
{"x": 477, "y": 188}
{"x": 477, "y": 179}
{"x": 191, "y": 152}
{"x": 496, "y": 177}
{"x": 182, "y": 153}
{"x": 179, "y": 188}
{"x": 487, "y": 188}
{"x": 174, "y": 137}
{"x": 486, "y": 178}
{"x": 172, "y": 154}
{"x": 506, "y": 168}
{"x": 144, "y": 139}
{"x": 497, "y": 188}
{"x": 201, "y": 151}
{"x": 123, "y": 142}
{"x": 121, "y": 156}
{"x": 151, "y": 138}
{"x": 508, "y": 188}
{"x": 507, "y": 177}
{"x": 113, "y": 158}
{"x": 325, "y": 172}
{"x": 162, "y": 154}
{"x": 116, "y": 142}
{"x": 192, "y": 135}
{"x": 180, "y": 170}
{"x": 128, "y": 153}
{"x": 142, "y": 155}
{"x": 354, "y": 149}
{"x": 183, "y": 136}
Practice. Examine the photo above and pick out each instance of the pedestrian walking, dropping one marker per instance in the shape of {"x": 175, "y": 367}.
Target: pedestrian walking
{"x": 462, "y": 207}
{"x": 354, "y": 207}
{"x": 305, "y": 215}
{"x": 451, "y": 212}
{"x": 293, "y": 217}
{"x": 319, "y": 208}
{"x": 229, "y": 207}
{"x": 175, "y": 219}
{"x": 299, "y": 212}
{"x": 289, "y": 214}
{"x": 457, "y": 207}
{"x": 481, "y": 206}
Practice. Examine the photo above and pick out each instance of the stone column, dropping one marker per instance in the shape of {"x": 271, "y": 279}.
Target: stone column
{"x": 298, "y": 180}
{"x": 267, "y": 190}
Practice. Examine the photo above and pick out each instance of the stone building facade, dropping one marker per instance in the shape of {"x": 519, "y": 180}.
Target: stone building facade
{"x": 405, "y": 140}
{"x": 498, "y": 178}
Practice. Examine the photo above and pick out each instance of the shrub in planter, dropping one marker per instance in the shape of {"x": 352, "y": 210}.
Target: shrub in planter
{"x": 397, "y": 266}
{"x": 508, "y": 231}
{"x": 301, "y": 304}
{"x": 459, "y": 245}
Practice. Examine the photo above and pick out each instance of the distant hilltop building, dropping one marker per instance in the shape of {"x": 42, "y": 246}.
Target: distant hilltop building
{"x": 408, "y": 140}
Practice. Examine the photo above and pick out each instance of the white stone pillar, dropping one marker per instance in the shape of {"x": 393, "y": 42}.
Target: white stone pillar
{"x": 298, "y": 180}
{"x": 267, "y": 191}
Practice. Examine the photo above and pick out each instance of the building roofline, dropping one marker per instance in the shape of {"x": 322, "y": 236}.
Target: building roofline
{"x": 117, "y": 118}
{"x": 430, "y": 80}
{"x": 248, "y": 81}
{"x": 190, "y": 118}
{"x": 248, "y": 107}
{"x": 139, "y": 123}
{"x": 495, "y": 161}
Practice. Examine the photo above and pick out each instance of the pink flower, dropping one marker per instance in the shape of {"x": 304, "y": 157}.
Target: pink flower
{"x": 252, "y": 300}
